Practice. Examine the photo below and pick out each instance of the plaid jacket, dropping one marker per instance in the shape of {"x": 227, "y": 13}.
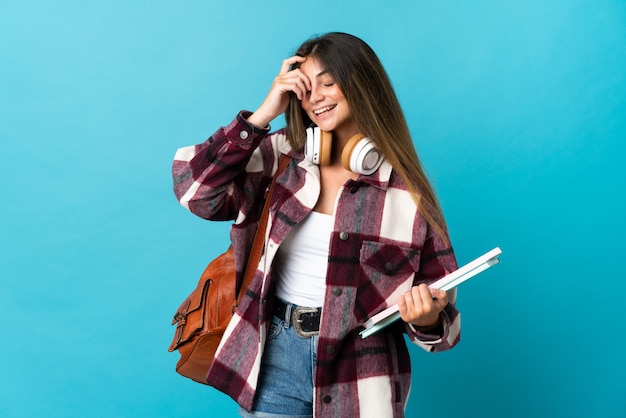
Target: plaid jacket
{"x": 379, "y": 247}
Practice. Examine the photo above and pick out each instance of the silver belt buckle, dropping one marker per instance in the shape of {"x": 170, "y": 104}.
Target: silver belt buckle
{"x": 297, "y": 322}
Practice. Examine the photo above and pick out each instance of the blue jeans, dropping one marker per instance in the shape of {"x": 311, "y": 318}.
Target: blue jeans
{"x": 285, "y": 386}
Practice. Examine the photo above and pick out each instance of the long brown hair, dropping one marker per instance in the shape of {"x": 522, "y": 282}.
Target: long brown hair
{"x": 375, "y": 110}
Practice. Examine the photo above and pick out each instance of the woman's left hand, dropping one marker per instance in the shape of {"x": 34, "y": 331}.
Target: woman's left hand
{"x": 421, "y": 305}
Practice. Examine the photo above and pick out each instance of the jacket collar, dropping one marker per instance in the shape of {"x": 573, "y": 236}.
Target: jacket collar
{"x": 379, "y": 178}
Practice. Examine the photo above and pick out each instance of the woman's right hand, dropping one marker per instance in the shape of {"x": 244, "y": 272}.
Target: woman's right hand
{"x": 278, "y": 97}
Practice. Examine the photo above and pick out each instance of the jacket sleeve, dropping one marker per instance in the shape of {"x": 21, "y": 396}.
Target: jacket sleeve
{"x": 220, "y": 178}
{"x": 438, "y": 260}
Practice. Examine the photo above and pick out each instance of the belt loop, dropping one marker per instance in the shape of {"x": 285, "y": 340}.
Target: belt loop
{"x": 288, "y": 309}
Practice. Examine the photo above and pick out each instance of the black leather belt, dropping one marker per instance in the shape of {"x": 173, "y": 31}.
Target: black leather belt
{"x": 305, "y": 321}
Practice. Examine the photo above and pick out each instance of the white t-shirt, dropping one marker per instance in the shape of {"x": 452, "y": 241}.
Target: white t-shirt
{"x": 302, "y": 261}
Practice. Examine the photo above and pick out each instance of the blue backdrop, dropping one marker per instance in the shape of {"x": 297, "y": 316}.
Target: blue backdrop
{"x": 518, "y": 110}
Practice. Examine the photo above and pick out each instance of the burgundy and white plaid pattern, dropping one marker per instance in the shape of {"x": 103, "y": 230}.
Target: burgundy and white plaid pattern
{"x": 379, "y": 247}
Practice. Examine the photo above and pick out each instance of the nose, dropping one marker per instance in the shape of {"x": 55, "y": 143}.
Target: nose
{"x": 315, "y": 95}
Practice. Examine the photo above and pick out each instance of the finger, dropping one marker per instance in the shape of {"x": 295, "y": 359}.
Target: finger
{"x": 298, "y": 87}
{"x": 418, "y": 304}
{"x": 406, "y": 306}
{"x": 288, "y": 62}
{"x": 440, "y": 295}
{"x": 429, "y": 299}
{"x": 289, "y": 82}
{"x": 301, "y": 84}
{"x": 306, "y": 82}
{"x": 402, "y": 306}
{"x": 423, "y": 294}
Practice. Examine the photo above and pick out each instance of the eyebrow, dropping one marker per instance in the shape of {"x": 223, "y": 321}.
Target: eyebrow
{"x": 321, "y": 73}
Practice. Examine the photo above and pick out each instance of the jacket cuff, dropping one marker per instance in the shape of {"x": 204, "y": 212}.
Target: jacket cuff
{"x": 434, "y": 335}
{"x": 242, "y": 133}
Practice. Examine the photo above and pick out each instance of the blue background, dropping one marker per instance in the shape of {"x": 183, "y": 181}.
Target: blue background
{"x": 518, "y": 110}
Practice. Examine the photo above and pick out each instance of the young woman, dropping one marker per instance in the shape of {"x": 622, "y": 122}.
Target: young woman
{"x": 343, "y": 241}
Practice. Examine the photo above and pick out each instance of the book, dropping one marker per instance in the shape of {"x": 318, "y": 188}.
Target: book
{"x": 449, "y": 281}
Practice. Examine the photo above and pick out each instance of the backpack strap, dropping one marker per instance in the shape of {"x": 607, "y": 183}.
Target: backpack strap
{"x": 259, "y": 236}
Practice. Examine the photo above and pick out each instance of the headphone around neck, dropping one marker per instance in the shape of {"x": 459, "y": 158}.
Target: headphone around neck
{"x": 360, "y": 155}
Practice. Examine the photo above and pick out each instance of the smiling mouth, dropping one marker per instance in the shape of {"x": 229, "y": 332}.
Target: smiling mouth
{"x": 324, "y": 110}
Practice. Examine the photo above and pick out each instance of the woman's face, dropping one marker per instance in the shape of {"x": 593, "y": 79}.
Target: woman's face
{"x": 325, "y": 104}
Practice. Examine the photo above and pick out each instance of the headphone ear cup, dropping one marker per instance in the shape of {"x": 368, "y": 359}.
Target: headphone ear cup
{"x": 318, "y": 146}
{"x": 360, "y": 155}
{"x": 311, "y": 146}
{"x": 326, "y": 146}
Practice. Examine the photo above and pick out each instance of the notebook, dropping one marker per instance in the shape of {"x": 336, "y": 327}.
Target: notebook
{"x": 450, "y": 281}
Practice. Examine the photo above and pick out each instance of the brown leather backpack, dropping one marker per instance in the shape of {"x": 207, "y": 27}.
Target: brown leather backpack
{"x": 203, "y": 316}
